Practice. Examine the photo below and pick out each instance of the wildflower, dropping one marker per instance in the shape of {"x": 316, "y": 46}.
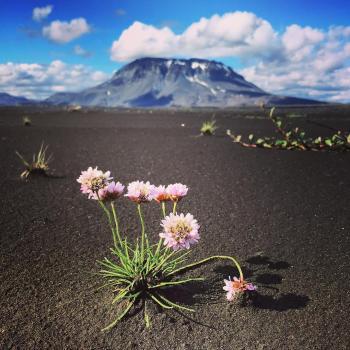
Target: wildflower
{"x": 141, "y": 192}
{"x": 161, "y": 194}
{"x": 179, "y": 231}
{"x": 111, "y": 192}
{"x": 92, "y": 180}
{"x": 176, "y": 191}
{"x": 238, "y": 285}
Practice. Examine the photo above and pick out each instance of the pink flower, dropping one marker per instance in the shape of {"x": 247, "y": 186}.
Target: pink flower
{"x": 161, "y": 194}
{"x": 111, "y": 192}
{"x": 141, "y": 192}
{"x": 92, "y": 180}
{"x": 176, "y": 191}
{"x": 237, "y": 286}
{"x": 179, "y": 231}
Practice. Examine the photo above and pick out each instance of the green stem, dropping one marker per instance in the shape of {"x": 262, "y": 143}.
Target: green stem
{"x": 163, "y": 209}
{"x": 161, "y": 239}
{"x": 169, "y": 284}
{"x": 107, "y": 212}
{"x": 208, "y": 259}
{"x": 142, "y": 232}
{"x": 174, "y": 207}
{"x": 116, "y": 224}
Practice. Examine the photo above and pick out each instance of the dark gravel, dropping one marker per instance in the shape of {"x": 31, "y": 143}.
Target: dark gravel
{"x": 284, "y": 214}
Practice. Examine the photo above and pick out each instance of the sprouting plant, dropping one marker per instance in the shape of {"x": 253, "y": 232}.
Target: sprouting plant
{"x": 294, "y": 139}
{"x": 39, "y": 164}
{"x": 26, "y": 121}
{"x": 208, "y": 127}
{"x": 141, "y": 271}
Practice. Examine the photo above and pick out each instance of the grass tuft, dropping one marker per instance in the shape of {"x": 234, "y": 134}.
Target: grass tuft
{"x": 208, "y": 127}
{"x": 39, "y": 164}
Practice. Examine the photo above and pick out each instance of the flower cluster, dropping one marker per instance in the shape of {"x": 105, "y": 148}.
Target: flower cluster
{"x": 174, "y": 192}
{"x": 238, "y": 285}
{"x": 99, "y": 185}
{"x": 179, "y": 231}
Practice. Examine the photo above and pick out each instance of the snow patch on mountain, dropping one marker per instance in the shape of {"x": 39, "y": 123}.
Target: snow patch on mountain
{"x": 172, "y": 82}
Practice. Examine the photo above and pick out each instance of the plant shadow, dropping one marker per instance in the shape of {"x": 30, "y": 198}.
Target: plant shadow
{"x": 267, "y": 297}
{"x": 269, "y": 281}
{"x": 43, "y": 175}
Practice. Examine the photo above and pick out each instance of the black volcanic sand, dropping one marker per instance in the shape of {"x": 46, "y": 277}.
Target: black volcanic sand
{"x": 284, "y": 214}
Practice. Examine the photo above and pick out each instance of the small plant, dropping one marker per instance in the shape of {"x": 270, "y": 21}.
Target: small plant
{"x": 26, "y": 121}
{"x": 39, "y": 164}
{"x": 294, "y": 139}
{"x": 140, "y": 271}
{"x": 208, "y": 127}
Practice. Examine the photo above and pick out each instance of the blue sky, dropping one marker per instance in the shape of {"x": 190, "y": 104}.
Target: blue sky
{"x": 310, "y": 37}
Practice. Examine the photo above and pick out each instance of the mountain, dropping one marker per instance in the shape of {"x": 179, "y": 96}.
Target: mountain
{"x": 9, "y": 100}
{"x": 161, "y": 82}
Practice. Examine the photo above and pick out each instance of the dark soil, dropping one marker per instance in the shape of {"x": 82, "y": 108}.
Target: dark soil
{"x": 284, "y": 214}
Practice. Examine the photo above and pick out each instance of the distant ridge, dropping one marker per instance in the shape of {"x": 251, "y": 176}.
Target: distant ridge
{"x": 10, "y": 100}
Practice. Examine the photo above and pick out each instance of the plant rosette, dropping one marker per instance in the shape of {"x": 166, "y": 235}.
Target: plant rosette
{"x": 141, "y": 270}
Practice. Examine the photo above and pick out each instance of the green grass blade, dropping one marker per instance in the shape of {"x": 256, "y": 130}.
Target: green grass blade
{"x": 153, "y": 296}
{"x": 111, "y": 325}
{"x": 180, "y": 307}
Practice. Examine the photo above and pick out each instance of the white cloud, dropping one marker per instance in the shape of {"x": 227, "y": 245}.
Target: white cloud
{"x": 301, "y": 61}
{"x": 40, "y": 13}
{"x": 63, "y": 32}
{"x": 233, "y": 34}
{"x": 39, "y": 81}
{"x": 314, "y": 64}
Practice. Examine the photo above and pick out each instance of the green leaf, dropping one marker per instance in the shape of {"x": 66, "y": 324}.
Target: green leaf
{"x": 281, "y": 143}
{"x": 259, "y": 141}
{"x": 328, "y": 142}
{"x": 318, "y": 140}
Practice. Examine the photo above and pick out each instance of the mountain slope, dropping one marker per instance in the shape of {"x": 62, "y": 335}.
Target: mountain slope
{"x": 10, "y": 100}
{"x": 160, "y": 82}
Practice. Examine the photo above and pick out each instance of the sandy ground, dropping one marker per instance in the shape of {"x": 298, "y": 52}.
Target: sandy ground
{"x": 284, "y": 214}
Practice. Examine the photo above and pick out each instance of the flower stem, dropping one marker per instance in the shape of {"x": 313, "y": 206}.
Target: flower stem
{"x": 161, "y": 239}
{"x": 142, "y": 232}
{"x": 163, "y": 209}
{"x": 174, "y": 207}
{"x": 206, "y": 260}
{"x": 107, "y": 212}
{"x": 116, "y": 224}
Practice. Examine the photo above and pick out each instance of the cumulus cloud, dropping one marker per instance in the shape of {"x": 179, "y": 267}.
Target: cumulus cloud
{"x": 233, "y": 34}
{"x": 301, "y": 61}
{"x": 314, "y": 64}
{"x": 39, "y": 13}
{"x": 63, "y": 32}
{"x": 39, "y": 81}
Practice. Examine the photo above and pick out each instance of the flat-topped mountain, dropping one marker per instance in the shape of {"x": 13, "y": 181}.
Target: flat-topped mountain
{"x": 162, "y": 82}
